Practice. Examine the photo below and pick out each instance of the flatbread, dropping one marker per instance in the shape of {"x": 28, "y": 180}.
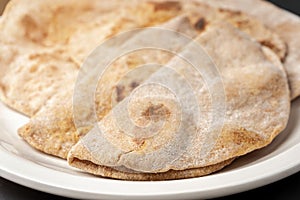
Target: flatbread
{"x": 282, "y": 22}
{"x": 54, "y": 124}
{"x": 47, "y": 25}
{"x": 257, "y": 110}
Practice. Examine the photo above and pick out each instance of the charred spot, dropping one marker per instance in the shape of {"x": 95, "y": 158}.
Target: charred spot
{"x": 167, "y": 5}
{"x": 200, "y": 24}
{"x": 134, "y": 84}
{"x": 120, "y": 92}
{"x": 157, "y": 112}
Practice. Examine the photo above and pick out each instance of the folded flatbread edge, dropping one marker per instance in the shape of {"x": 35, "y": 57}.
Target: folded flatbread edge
{"x": 88, "y": 166}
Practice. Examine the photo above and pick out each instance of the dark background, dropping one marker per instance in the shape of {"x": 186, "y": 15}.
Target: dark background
{"x": 291, "y": 5}
{"x": 288, "y": 188}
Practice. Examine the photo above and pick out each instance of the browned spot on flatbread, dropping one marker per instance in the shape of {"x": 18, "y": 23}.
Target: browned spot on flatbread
{"x": 233, "y": 12}
{"x": 240, "y": 20}
{"x": 200, "y": 24}
{"x": 139, "y": 143}
{"x": 243, "y": 136}
{"x": 134, "y": 84}
{"x": 32, "y": 29}
{"x": 120, "y": 89}
{"x": 167, "y": 5}
{"x": 3, "y": 88}
{"x": 156, "y": 112}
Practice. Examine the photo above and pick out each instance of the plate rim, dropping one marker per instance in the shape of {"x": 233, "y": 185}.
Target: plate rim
{"x": 136, "y": 190}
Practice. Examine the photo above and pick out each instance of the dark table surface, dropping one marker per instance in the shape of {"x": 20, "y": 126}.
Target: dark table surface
{"x": 288, "y": 188}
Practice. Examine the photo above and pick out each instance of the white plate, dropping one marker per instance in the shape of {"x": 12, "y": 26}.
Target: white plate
{"x": 26, "y": 166}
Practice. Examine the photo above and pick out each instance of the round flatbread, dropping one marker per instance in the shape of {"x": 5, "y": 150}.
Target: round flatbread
{"x": 257, "y": 110}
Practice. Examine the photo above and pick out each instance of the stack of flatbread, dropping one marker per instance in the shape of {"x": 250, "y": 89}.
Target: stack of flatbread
{"x": 47, "y": 71}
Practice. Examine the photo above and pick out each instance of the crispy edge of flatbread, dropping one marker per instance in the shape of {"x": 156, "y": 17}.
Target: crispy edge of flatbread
{"x": 85, "y": 164}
